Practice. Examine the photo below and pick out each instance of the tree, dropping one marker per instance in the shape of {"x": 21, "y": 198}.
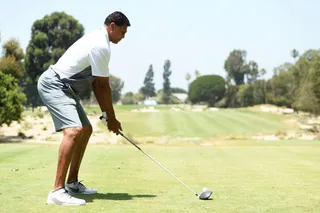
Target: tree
{"x": 253, "y": 72}
{"x": 178, "y": 90}
{"x": 11, "y": 99}
{"x": 148, "y": 89}
{"x": 116, "y": 85}
{"x": 235, "y": 66}
{"x": 173, "y": 90}
{"x": 245, "y": 95}
{"x": 231, "y": 99}
{"x": 259, "y": 92}
{"x": 12, "y": 48}
{"x": 294, "y": 54}
{"x": 315, "y": 76}
{"x": 207, "y": 88}
{"x": 307, "y": 82}
{"x": 138, "y": 97}
{"x": 11, "y": 69}
{"x": 306, "y": 99}
{"x": 128, "y": 98}
{"x": 51, "y": 36}
{"x": 166, "y": 85}
{"x": 10, "y": 66}
{"x": 12, "y": 61}
{"x": 306, "y": 62}
{"x": 281, "y": 88}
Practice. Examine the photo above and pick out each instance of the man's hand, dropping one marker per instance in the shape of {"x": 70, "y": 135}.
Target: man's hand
{"x": 115, "y": 126}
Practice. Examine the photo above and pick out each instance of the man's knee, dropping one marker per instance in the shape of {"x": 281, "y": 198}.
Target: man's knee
{"x": 87, "y": 130}
{"x": 72, "y": 132}
{"x": 75, "y": 132}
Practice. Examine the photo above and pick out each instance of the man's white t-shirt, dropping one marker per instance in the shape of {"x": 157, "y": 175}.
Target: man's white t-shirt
{"x": 93, "y": 49}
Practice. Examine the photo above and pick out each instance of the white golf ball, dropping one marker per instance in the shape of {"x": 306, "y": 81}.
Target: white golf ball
{"x": 204, "y": 189}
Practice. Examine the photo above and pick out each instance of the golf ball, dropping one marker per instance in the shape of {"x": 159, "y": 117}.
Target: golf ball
{"x": 204, "y": 189}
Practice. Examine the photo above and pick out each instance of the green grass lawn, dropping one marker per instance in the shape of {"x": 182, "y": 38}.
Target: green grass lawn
{"x": 225, "y": 122}
{"x": 276, "y": 178}
{"x": 245, "y": 175}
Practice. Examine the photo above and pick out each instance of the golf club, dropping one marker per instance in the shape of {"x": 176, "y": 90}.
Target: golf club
{"x": 203, "y": 195}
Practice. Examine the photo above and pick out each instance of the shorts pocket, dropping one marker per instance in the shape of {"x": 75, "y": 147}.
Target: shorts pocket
{"x": 67, "y": 89}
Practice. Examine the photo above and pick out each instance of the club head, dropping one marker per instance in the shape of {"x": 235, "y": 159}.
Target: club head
{"x": 205, "y": 195}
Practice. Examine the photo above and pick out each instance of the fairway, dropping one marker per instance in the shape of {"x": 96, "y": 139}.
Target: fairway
{"x": 166, "y": 126}
{"x": 187, "y": 123}
{"x": 261, "y": 177}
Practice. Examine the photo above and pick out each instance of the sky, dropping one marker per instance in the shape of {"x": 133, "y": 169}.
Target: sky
{"x": 192, "y": 34}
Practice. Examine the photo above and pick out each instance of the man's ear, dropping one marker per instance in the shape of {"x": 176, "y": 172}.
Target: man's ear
{"x": 112, "y": 25}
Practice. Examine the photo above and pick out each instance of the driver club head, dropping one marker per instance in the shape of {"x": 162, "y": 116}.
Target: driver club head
{"x": 205, "y": 195}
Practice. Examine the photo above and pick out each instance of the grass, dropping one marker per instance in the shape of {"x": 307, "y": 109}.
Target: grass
{"x": 225, "y": 123}
{"x": 276, "y": 178}
{"x": 186, "y": 123}
{"x": 232, "y": 123}
{"x": 245, "y": 175}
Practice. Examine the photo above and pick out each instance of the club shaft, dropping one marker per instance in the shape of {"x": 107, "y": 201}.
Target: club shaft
{"x": 157, "y": 163}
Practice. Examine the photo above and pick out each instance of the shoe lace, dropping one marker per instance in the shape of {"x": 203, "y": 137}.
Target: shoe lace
{"x": 81, "y": 186}
{"x": 65, "y": 195}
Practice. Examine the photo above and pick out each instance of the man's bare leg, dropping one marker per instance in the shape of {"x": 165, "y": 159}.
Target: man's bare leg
{"x": 65, "y": 154}
{"x": 79, "y": 150}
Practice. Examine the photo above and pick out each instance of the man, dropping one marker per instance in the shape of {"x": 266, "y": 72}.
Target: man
{"x": 84, "y": 65}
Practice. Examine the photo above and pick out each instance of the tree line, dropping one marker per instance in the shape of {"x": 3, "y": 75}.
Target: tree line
{"x": 294, "y": 84}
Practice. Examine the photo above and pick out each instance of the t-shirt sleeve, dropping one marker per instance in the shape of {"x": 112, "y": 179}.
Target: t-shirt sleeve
{"x": 99, "y": 61}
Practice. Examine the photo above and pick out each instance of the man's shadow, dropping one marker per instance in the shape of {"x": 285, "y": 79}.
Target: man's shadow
{"x": 112, "y": 196}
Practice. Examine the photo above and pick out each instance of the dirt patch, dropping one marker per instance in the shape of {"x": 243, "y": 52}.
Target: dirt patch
{"x": 41, "y": 130}
{"x": 266, "y": 138}
{"x": 272, "y": 109}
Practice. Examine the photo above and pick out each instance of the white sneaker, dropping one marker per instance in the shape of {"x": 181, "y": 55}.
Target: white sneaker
{"x": 61, "y": 197}
{"x": 77, "y": 187}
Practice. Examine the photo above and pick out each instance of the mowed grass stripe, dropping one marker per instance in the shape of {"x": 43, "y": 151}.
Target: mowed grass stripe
{"x": 267, "y": 119}
{"x": 188, "y": 124}
{"x": 158, "y": 124}
{"x": 197, "y": 125}
{"x": 165, "y": 122}
{"x": 135, "y": 123}
{"x": 238, "y": 124}
{"x": 147, "y": 123}
{"x": 225, "y": 123}
{"x": 267, "y": 122}
{"x": 172, "y": 123}
{"x": 200, "y": 124}
{"x": 217, "y": 122}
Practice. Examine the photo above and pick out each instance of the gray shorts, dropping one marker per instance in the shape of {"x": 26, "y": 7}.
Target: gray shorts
{"x": 62, "y": 102}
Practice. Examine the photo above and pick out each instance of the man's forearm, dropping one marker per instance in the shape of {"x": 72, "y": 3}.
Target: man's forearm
{"x": 103, "y": 95}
